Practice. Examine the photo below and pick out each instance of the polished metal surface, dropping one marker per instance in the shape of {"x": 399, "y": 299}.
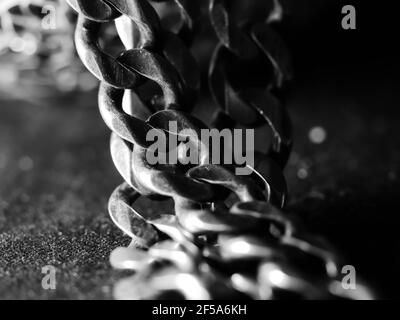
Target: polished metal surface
{"x": 209, "y": 249}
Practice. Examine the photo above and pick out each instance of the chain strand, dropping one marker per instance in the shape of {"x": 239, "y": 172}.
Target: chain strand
{"x": 206, "y": 249}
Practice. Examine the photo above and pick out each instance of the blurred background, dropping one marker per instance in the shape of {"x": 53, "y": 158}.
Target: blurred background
{"x": 56, "y": 173}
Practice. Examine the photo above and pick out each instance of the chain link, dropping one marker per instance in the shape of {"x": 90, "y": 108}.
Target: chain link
{"x": 207, "y": 248}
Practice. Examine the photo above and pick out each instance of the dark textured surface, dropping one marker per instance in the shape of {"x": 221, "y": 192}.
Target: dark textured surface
{"x": 55, "y": 212}
{"x": 56, "y": 173}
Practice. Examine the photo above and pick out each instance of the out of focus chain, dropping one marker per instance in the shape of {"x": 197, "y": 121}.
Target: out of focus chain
{"x": 207, "y": 248}
{"x": 22, "y": 25}
{"x": 36, "y": 47}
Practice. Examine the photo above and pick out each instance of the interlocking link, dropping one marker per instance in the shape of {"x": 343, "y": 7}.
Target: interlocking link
{"x": 209, "y": 246}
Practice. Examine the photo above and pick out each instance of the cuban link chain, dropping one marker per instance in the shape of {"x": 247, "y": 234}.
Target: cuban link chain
{"x": 208, "y": 248}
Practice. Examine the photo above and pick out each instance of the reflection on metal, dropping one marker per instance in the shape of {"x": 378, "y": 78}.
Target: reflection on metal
{"x": 208, "y": 249}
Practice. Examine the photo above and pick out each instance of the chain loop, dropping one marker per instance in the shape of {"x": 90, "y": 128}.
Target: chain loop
{"x": 227, "y": 237}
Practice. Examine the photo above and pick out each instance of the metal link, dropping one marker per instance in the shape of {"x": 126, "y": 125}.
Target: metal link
{"x": 101, "y": 65}
{"x": 100, "y": 11}
{"x": 209, "y": 248}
